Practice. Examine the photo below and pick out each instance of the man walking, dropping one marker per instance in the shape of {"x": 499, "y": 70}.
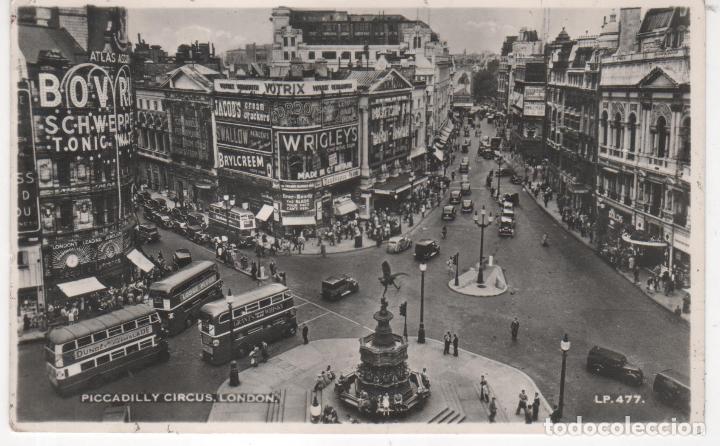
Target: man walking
{"x": 446, "y": 338}
{"x": 522, "y": 402}
{"x": 484, "y": 391}
{"x": 636, "y": 273}
{"x": 455, "y": 342}
{"x": 493, "y": 410}
{"x": 536, "y": 407}
{"x": 514, "y": 328}
{"x": 305, "y": 333}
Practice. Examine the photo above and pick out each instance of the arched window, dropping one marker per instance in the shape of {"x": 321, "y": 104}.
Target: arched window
{"x": 684, "y": 153}
{"x": 617, "y": 124}
{"x": 631, "y": 127}
{"x": 604, "y": 123}
{"x": 661, "y": 137}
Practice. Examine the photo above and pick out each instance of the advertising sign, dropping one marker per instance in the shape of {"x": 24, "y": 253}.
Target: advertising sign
{"x": 246, "y": 111}
{"x": 534, "y": 109}
{"x": 297, "y": 113}
{"x": 516, "y": 99}
{"x": 534, "y": 93}
{"x": 261, "y": 313}
{"x": 339, "y": 111}
{"x": 284, "y": 88}
{"x": 244, "y": 161}
{"x": 111, "y": 342}
{"x": 97, "y": 253}
{"x": 314, "y": 141}
{"x": 298, "y": 202}
{"x": 242, "y": 136}
{"x": 28, "y": 213}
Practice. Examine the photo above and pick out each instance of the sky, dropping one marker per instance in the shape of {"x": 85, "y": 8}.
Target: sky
{"x": 474, "y": 29}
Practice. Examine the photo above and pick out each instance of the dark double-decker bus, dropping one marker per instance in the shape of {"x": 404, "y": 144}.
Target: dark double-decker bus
{"x": 90, "y": 352}
{"x": 264, "y": 314}
{"x": 178, "y": 297}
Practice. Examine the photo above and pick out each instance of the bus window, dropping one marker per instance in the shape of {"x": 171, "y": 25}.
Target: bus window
{"x": 223, "y": 318}
{"x": 252, "y": 307}
{"x": 146, "y": 343}
{"x": 131, "y": 349}
{"x": 82, "y": 342}
{"x": 117, "y": 354}
{"x": 277, "y": 298}
{"x": 70, "y": 346}
{"x": 87, "y": 365}
{"x": 254, "y": 330}
{"x": 99, "y": 336}
{"x": 143, "y": 321}
{"x": 154, "y": 318}
{"x": 102, "y": 359}
{"x": 115, "y": 331}
{"x": 264, "y": 303}
{"x": 238, "y": 312}
{"x": 128, "y": 326}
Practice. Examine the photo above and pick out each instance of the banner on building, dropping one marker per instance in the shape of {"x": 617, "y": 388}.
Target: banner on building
{"x": 28, "y": 212}
{"x": 245, "y": 111}
{"x": 533, "y": 93}
{"x": 245, "y": 161}
{"x": 299, "y": 113}
{"x": 298, "y": 202}
{"x": 242, "y": 136}
{"x": 285, "y": 88}
{"x": 534, "y": 109}
{"x": 339, "y": 111}
{"x": 88, "y": 255}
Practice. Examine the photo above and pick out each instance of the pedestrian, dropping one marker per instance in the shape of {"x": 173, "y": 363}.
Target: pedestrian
{"x": 322, "y": 248}
{"x": 272, "y": 267}
{"x": 493, "y": 410}
{"x": 484, "y": 390}
{"x": 528, "y": 415}
{"x": 264, "y": 351}
{"x": 522, "y": 402}
{"x": 254, "y": 356}
{"x": 514, "y": 328}
{"x": 536, "y": 407}
{"x": 447, "y": 340}
{"x": 555, "y": 415}
{"x": 305, "y": 333}
{"x": 636, "y": 273}
{"x": 455, "y": 345}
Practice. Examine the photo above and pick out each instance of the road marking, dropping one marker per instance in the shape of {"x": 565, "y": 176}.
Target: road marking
{"x": 312, "y": 319}
{"x": 298, "y": 306}
{"x": 327, "y": 310}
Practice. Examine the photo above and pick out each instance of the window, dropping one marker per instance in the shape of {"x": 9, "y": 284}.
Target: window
{"x": 264, "y": 303}
{"x": 146, "y": 343}
{"x": 311, "y": 55}
{"x": 631, "y": 127}
{"x": 618, "y": 130}
{"x": 103, "y": 359}
{"x": 345, "y": 55}
{"x": 285, "y": 41}
{"x": 254, "y": 330}
{"x": 277, "y": 298}
{"x": 130, "y": 349}
{"x": 117, "y": 354}
{"x": 129, "y": 326}
{"x": 661, "y": 137}
{"x": 286, "y": 55}
{"x": 292, "y": 55}
{"x": 604, "y": 123}
{"x": 143, "y": 321}
{"x": 87, "y": 365}
{"x": 70, "y": 346}
{"x": 23, "y": 260}
{"x": 115, "y": 331}
{"x": 100, "y": 336}
{"x": 224, "y": 318}
{"x": 252, "y": 307}
{"x": 684, "y": 150}
{"x": 292, "y": 41}
{"x": 82, "y": 342}
{"x": 358, "y": 55}
{"x": 329, "y": 55}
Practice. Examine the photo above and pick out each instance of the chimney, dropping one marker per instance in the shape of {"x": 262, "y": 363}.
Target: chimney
{"x": 629, "y": 27}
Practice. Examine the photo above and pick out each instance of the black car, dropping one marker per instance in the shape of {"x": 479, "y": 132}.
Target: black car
{"x": 426, "y": 249}
{"x": 147, "y": 232}
{"x": 448, "y": 212}
{"x": 487, "y": 153}
{"x": 464, "y": 166}
{"x": 455, "y": 196}
{"x": 465, "y": 188}
{"x": 602, "y": 361}
{"x": 334, "y": 288}
{"x": 673, "y": 389}
{"x": 467, "y": 206}
{"x": 182, "y": 257}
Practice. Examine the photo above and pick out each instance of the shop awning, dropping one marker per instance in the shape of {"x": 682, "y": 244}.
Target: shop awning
{"x": 265, "y": 212}
{"x": 345, "y": 207}
{"x": 203, "y": 186}
{"x": 610, "y": 170}
{"x": 395, "y": 185}
{"x": 299, "y": 221}
{"x": 439, "y": 154}
{"x": 579, "y": 189}
{"x": 140, "y": 260}
{"x": 81, "y": 287}
{"x": 417, "y": 151}
{"x": 650, "y": 243}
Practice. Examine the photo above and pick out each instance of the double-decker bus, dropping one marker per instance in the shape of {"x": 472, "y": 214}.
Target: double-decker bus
{"x": 178, "y": 297}
{"x": 95, "y": 350}
{"x": 264, "y": 314}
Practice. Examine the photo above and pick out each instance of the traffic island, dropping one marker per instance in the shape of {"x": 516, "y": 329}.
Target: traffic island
{"x": 493, "y": 284}
{"x": 281, "y": 390}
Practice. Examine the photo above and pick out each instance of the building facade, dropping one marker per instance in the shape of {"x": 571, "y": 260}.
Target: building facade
{"x": 83, "y": 142}
{"x": 643, "y": 182}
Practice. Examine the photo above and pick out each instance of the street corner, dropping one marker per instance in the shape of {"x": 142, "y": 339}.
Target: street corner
{"x": 494, "y": 283}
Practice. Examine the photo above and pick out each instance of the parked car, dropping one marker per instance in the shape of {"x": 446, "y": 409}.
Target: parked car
{"x": 467, "y": 205}
{"x": 426, "y": 249}
{"x": 673, "y": 388}
{"x": 196, "y": 218}
{"x": 465, "y": 188}
{"x": 177, "y": 213}
{"x": 448, "y": 212}
{"x": 398, "y": 244}
{"x": 606, "y": 362}
{"x": 147, "y": 232}
{"x": 506, "y": 172}
{"x": 182, "y": 257}
{"x": 455, "y": 196}
{"x": 486, "y": 153}
{"x": 334, "y": 288}
{"x": 464, "y": 165}
{"x": 506, "y": 227}
{"x": 195, "y": 233}
{"x": 164, "y": 220}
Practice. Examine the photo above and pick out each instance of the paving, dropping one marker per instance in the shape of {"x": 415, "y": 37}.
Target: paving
{"x": 494, "y": 282}
{"x": 454, "y": 380}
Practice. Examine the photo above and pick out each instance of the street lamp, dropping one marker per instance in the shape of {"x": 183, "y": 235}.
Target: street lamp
{"x": 421, "y": 330}
{"x": 229, "y": 203}
{"x": 564, "y": 346}
{"x": 228, "y": 300}
{"x": 480, "y": 221}
{"x": 499, "y": 163}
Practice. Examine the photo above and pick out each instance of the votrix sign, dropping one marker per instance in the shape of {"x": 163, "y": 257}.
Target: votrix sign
{"x": 285, "y": 88}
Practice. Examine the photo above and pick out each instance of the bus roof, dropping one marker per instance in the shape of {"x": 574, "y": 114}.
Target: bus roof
{"x": 167, "y": 284}
{"x": 221, "y": 305}
{"x": 61, "y": 335}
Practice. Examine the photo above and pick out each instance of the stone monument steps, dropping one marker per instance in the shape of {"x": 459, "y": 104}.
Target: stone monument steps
{"x": 456, "y": 404}
{"x": 276, "y": 409}
{"x": 452, "y": 411}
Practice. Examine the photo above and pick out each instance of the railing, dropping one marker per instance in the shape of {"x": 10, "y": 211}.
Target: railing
{"x": 627, "y": 201}
{"x": 613, "y": 195}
